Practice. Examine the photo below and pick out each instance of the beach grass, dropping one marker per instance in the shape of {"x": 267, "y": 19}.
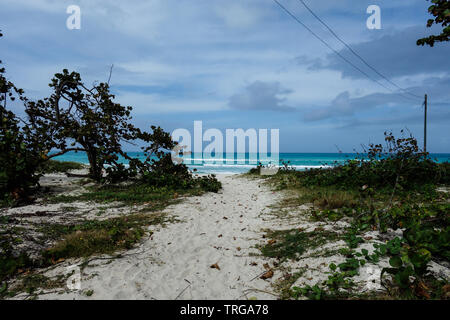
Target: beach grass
{"x": 97, "y": 237}
{"x": 155, "y": 198}
{"x": 291, "y": 244}
{"x": 419, "y": 208}
{"x": 55, "y": 166}
{"x": 80, "y": 240}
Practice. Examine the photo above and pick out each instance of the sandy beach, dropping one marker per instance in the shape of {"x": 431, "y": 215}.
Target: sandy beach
{"x": 175, "y": 261}
{"x": 207, "y": 249}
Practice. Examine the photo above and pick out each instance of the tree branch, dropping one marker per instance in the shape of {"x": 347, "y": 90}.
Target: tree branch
{"x": 110, "y": 73}
{"x": 65, "y": 151}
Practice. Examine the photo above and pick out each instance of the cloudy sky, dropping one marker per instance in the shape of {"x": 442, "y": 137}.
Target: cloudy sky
{"x": 242, "y": 64}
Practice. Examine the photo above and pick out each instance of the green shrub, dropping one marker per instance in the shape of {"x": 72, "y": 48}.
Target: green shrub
{"x": 21, "y": 148}
{"x": 52, "y": 166}
{"x": 401, "y": 165}
{"x": 19, "y": 160}
{"x": 165, "y": 173}
{"x": 208, "y": 183}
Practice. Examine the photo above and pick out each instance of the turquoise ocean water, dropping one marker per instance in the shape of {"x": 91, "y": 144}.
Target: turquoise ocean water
{"x": 219, "y": 165}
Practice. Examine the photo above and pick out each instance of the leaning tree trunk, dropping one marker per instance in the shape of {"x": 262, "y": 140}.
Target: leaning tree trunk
{"x": 95, "y": 170}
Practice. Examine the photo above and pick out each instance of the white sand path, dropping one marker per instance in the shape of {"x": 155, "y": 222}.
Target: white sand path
{"x": 175, "y": 262}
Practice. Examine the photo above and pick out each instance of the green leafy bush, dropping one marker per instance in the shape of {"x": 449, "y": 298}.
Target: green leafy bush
{"x": 208, "y": 183}
{"x": 400, "y": 164}
{"x": 20, "y": 150}
{"x": 52, "y": 166}
{"x": 19, "y": 162}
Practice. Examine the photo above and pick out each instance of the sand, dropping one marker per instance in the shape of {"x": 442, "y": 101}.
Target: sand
{"x": 221, "y": 230}
{"x": 175, "y": 262}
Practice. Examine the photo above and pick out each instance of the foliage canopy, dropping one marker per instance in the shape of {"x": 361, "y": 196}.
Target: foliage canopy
{"x": 440, "y": 9}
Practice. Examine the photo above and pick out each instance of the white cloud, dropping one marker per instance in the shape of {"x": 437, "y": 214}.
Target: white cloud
{"x": 213, "y": 47}
{"x": 239, "y": 14}
{"x": 145, "y": 104}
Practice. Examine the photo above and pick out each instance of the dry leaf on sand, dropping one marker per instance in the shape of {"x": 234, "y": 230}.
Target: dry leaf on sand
{"x": 215, "y": 266}
{"x": 267, "y": 275}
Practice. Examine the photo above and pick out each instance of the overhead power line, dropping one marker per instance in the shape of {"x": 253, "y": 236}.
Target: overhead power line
{"x": 355, "y": 53}
{"x": 335, "y": 51}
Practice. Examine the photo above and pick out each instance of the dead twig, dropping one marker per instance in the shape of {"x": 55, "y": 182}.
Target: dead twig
{"x": 260, "y": 290}
{"x": 183, "y": 289}
{"x": 258, "y": 275}
{"x": 110, "y": 73}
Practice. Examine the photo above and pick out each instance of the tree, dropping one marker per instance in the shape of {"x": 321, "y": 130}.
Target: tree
{"x": 86, "y": 119}
{"x": 441, "y": 11}
{"x": 78, "y": 118}
{"x": 158, "y": 168}
{"x": 20, "y": 151}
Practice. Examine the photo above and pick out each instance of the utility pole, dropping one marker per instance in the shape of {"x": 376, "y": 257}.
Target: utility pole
{"x": 425, "y": 125}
